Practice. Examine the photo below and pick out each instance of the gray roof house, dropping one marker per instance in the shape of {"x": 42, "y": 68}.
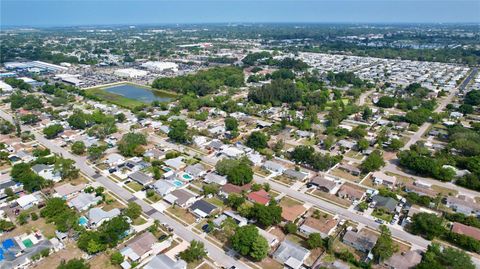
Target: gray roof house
{"x": 96, "y": 216}
{"x": 141, "y": 178}
{"x": 360, "y": 241}
{"x": 182, "y": 198}
{"x": 294, "y": 174}
{"x": 196, "y": 170}
{"x": 165, "y": 262}
{"x": 463, "y": 204}
{"x": 291, "y": 254}
{"x": 202, "y": 208}
{"x": 163, "y": 187}
{"x": 323, "y": 184}
{"x": 215, "y": 178}
{"x": 387, "y": 203}
{"x": 274, "y": 167}
{"x": 176, "y": 163}
{"x": 84, "y": 200}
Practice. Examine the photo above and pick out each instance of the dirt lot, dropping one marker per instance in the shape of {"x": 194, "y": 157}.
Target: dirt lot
{"x": 69, "y": 252}
{"x": 102, "y": 261}
{"x": 47, "y": 229}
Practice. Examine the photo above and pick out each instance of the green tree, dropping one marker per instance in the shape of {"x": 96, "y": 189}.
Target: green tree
{"x": 259, "y": 249}
{"x": 74, "y": 264}
{"x": 290, "y": 228}
{"x": 131, "y": 144}
{"x": 179, "y": 131}
{"x": 245, "y": 238}
{"x": 95, "y": 152}
{"x": 116, "y": 258}
{"x": 373, "y": 162}
{"x": 52, "y": 131}
{"x": 448, "y": 258}
{"x": 133, "y": 210}
{"x": 78, "y": 147}
{"x": 67, "y": 168}
{"x": 231, "y": 124}
{"x": 257, "y": 140}
{"x": 384, "y": 247}
{"x": 386, "y": 102}
{"x": 314, "y": 240}
{"x": 195, "y": 252}
{"x": 395, "y": 144}
{"x": 428, "y": 225}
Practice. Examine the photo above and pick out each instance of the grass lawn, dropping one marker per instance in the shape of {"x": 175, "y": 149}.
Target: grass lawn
{"x": 194, "y": 189}
{"x": 261, "y": 171}
{"x": 284, "y": 180}
{"x": 215, "y": 201}
{"x": 400, "y": 178}
{"x": 295, "y": 238}
{"x": 194, "y": 264}
{"x": 182, "y": 214}
{"x": 354, "y": 154}
{"x": 139, "y": 221}
{"x": 205, "y": 266}
{"x": 288, "y": 202}
{"x": 269, "y": 263}
{"x": 340, "y": 173}
{"x": 382, "y": 215}
{"x": 155, "y": 198}
{"x": 111, "y": 203}
{"x": 444, "y": 191}
{"x": 135, "y": 186}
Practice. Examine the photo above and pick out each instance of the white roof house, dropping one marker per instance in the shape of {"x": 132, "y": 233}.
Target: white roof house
{"x": 5, "y": 87}
{"x": 27, "y": 201}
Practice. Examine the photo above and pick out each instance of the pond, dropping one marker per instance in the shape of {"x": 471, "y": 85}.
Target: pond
{"x": 138, "y": 93}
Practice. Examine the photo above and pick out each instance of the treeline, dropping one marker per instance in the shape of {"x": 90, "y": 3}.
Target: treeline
{"x": 306, "y": 155}
{"x": 420, "y": 160}
{"x": 342, "y": 79}
{"x": 203, "y": 82}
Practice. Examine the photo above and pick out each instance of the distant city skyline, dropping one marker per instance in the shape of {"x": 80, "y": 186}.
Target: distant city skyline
{"x": 125, "y": 12}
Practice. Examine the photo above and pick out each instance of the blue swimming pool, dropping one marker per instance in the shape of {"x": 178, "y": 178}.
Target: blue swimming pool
{"x": 178, "y": 183}
{"x": 187, "y": 177}
{"x": 83, "y": 221}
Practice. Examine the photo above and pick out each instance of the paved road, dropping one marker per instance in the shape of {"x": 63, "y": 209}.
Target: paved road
{"x": 217, "y": 254}
{"x": 418, "y": 134}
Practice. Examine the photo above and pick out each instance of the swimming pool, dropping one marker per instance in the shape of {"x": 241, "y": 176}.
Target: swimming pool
{"x": 166, "y": 169}
{"x": 83, "y": 221}
{"x": 178, "y": 183}
{"x": 187, "y": 176}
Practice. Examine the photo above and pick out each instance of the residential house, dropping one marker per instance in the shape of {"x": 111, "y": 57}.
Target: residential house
{"x": 27, "y": 201}
{"x": 163, "y": 187}
{"x": 296, "y": 175}
{"x": 164, "y": 262}
{"x": 261, "y": 197}
{"x": 182, "y": 198}
{"x": 463, "y": 204}
{"x": 139, "y": 247}
{"x": 323, "y": 226}
{"x": 67, "y": 190}
{"x": 197, "y": 170}
{"x": 155, "y": 154}
{"x": 274, "y": 167}
{"x": 175, "y": 163}
{"x": 83, "y": 201}
{"x": 241, "y": 221}
{"x": 47, "y": 172}
{"x": 215, "y": 178}
{"x": 351, "y": 193}
{"x": 202, "y": 208}
{"x": 229, "y": 188}
{"x": 360, "y": 241}
{"x": 349, "y": 169}
{"x": 305, "y": 134}
{"x": 404, "y": 260}
{"x": 97, "y": 216}
{"x": 7, "y": 182}
{"x": 114, "y": 159}
{"x": 380, "y": 178}
{"x": 323, "y": 184}
{"x": 386, "y": 203}
{"x": 141, "y": 178}
{"x": 291, "y": 255}
{"x": 291, "y": 213}
{"x": 420, "y": 190}
{"x": 463, "y": 229}
{"x": 272, "y": 240}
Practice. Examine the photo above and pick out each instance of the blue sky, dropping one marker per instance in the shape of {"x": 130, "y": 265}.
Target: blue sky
{"x": 88, "y": 12}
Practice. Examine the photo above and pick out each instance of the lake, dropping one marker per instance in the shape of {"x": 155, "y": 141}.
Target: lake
{"x": 138, "y": 93}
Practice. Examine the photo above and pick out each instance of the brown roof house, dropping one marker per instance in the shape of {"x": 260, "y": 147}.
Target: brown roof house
{"x": 230, "y": 188}
{"x": 460, "y": 228}
{"x": 323, "y": 226}
{"x": 360, "y": 241}
{"x": 350, "y": 193}
{"x": 139, "y": 247}
{"x": 323, "y": 184}
{"x": 291, "y": 213}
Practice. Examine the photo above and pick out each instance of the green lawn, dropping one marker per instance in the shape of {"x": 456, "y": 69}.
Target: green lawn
{"x": 135, "y": 186}
{"x": 382, "y": 215}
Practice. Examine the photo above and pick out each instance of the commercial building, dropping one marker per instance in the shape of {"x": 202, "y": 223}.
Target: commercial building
{"x": 130, "y": 73}
{"x": 160, "y": 66}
